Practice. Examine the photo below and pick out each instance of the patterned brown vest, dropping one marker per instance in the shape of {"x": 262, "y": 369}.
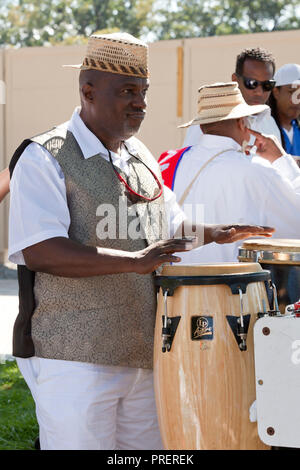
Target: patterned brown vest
{"x": 106, "y": 319}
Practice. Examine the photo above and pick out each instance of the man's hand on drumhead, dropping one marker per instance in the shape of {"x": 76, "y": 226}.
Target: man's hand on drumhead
{"x": 149, "y": 259}
{"x": 233, "y": 233}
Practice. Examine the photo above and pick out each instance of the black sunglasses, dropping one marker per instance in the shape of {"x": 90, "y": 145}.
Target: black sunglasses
{"x": 251, "y": 83}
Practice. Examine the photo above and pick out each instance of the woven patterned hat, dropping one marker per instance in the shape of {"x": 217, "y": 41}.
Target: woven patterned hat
{"x": 222, "y": 101}
{"x": 118, "y": 53}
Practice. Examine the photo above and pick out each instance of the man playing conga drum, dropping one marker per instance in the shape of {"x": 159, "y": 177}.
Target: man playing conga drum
{"x": 84, "y": 335}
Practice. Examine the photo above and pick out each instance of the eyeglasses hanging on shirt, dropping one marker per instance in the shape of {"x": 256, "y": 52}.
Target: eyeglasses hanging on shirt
{"x": 131, "y": 194}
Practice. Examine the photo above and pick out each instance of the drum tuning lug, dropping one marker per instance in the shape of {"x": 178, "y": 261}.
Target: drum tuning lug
{"x": 241, "y": 334}
{"x": 239, "y": 331}
{"x": 165, "y": 347}
{"x": 275, "y": 299}
{"x": 239, "y": 325}
{"x": 166, "y": 335}
{"x": 168, "y": 332}
{"x": 169, "y": 326}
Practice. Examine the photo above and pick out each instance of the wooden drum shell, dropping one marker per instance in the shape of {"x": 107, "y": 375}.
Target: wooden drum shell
{"x": 204, "y": 389}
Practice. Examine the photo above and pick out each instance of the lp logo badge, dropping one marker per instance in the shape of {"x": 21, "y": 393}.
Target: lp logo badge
{"x": 202, "y": 328}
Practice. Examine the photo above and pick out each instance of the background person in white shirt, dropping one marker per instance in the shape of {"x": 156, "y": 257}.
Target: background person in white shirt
{"x": 233, "y": 185}
{"x": 254, "y": 72}
{"x": 284, "y": 102}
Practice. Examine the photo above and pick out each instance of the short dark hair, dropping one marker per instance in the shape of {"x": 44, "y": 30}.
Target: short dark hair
{"x": 257, "y": 53}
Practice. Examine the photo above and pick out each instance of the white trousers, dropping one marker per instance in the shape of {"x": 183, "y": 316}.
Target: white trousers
{"x": 82, "y": 406}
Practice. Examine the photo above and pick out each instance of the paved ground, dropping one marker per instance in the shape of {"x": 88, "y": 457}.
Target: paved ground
{"x": 8, "y": 308}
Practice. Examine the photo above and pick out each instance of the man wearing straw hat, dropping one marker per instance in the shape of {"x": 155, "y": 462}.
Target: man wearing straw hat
{"x": 230, "y": 183}
{"x": 88, "y": 227}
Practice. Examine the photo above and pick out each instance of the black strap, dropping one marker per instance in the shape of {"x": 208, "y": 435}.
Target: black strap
{"x": 17, "y": 154}
{"x": 22, "y": 342}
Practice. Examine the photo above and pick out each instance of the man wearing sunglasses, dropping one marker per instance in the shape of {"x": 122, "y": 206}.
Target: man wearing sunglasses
{"x": 254, "y": 71}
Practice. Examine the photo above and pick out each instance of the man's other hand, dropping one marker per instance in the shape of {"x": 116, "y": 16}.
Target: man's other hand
{"x": 149, "y": 259}
{"x": 232, "y": 233}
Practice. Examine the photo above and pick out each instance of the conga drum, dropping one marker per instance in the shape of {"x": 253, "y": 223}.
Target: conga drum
{"x": 203, "y": 355}
{"x": 282, "y": 258}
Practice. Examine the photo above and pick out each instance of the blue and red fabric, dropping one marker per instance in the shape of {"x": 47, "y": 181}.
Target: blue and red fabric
{"x": 169, "y": 162}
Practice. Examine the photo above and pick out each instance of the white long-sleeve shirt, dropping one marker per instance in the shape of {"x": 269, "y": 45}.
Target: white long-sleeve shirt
{"x": 235, "y": 188}
{"x": 39, "y": 209}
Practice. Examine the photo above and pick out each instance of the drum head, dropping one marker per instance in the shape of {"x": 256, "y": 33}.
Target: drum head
{"x": 273, "y": 244}
{"x": 275, "y": 250}
{"x": 210, "y": 269}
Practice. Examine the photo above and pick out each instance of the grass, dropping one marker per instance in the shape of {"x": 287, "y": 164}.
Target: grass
{"x": 18, "y": 425}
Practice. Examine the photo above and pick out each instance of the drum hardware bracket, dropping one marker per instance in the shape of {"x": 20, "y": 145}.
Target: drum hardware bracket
{"x": 293, "y": 310}
{"x": 169, "y": 326}
{"x": 269, "y": 313}
{"x": 168, "y": 331}
{"x": 275, "y": 300}
{"x": 239, "y": 331}
{"x": 169, "y": 284}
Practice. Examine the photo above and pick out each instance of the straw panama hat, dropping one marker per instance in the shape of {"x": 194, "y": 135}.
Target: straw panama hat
{"x": 222, "y": 101}
{"x": 118, "y": 53}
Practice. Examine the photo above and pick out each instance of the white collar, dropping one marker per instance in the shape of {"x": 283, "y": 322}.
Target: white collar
{"x": 89, "y": 143}
{"x": 217, "y": 141}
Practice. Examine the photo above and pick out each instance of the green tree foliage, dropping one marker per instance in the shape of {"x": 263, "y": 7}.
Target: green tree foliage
{"x": 47, "y": 22}
{"x": 98, "y": 15}
{"x": 198, "y": 18}
{"x": 34, "y": 23}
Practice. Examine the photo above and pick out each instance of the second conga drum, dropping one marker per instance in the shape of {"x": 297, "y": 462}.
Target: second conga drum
{"x": 203, "y": 356}
{"x": 282, "y": 258}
